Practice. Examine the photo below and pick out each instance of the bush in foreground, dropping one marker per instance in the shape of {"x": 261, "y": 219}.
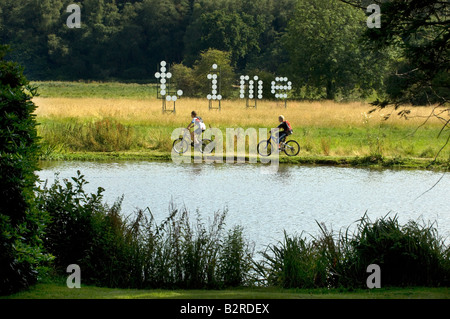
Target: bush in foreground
{"x": 21, "y": 224}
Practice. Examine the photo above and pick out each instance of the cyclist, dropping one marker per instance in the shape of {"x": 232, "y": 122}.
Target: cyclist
{"x": 198, "y": 125}
{"x": 286, "y": 129}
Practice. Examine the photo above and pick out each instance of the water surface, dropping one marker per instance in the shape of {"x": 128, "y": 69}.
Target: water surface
{"x": 292, "y": 199}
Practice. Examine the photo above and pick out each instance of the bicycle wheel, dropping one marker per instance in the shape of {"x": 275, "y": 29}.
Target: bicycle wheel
{"x": 291, "y": 148}
{"x": 180, "y": 146}
{"x": 206, "y": 146}
{"x": 264, "y": 148}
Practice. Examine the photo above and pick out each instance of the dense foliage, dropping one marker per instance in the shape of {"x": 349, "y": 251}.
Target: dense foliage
{"x": 21, "y": 223}
{"x": 315, "y": 44}
{"x": 408, "y": 255}
{"x": 127, "y": 39}
{"x": 323, "y": 40}
{"x": 324, "y": 46}
{"x": 419, "y": 31}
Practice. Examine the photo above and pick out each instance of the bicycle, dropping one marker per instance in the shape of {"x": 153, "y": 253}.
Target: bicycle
{"x": 290, "y": 148}
{"x": 182, "y": 144}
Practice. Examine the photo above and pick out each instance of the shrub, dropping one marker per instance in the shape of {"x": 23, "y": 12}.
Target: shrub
{"x": 193, "y": 81}
{"x": 184, "y": 79}
{"x": 21, "y": 224}
{"x": 73, "y": 214}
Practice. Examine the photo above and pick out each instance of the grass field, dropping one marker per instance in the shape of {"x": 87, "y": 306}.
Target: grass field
{"x": 60, "y": 291}
{"x": 52, "y": 89}
{"x": 127, "y": 118}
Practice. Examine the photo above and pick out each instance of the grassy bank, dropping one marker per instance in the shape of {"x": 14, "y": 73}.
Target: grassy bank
{"x": 58, "y": 290}
{"x": 319, "y": 160}
{"x": 124, "y": 121}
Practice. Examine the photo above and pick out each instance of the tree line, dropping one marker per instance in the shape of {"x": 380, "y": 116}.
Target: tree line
{"x": 128, "y": 39}
{"x": 321, "y": 45}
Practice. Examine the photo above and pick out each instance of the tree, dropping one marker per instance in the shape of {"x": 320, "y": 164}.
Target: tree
{"x": 276, "y": 16}
{"x": 163, "y": 29}
{"x": 419, "y": 30}
{"x": 225, "y": 26}
{"x": 21, "y": 223}
{"x": 184, "y": 79}
{"x": 325, "y": 54}
{"x": 126, "y": 39}
{"x": 203, "y": 66}
{"x": 194, "y": 81}
{"x": 232, "y": 32}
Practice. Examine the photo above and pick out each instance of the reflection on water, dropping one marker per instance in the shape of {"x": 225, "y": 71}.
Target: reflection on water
{"x": 293, "y": 199}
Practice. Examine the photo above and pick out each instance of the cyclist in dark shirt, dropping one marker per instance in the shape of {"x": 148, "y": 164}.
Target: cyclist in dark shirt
{"x": 285, "y": 129}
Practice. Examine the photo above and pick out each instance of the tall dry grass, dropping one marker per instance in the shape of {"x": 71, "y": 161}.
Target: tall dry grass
{"x": 322, "y": 128}
{"x": 233, "y": 113}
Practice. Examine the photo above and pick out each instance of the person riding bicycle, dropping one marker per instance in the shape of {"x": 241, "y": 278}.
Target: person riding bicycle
{"x": 286, "y": 129}
{"x": 198, "y": 125}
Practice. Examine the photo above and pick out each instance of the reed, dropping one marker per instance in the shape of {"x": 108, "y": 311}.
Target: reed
{"x": 138, "y": 252}
{"x": 408, "y": 255}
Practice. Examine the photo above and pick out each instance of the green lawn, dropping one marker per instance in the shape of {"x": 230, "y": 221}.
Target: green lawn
{"x": 110, "y": 90}
{"x": 60, "y": 291}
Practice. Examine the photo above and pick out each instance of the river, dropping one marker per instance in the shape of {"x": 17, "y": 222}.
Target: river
{"x": 292, "y": 199}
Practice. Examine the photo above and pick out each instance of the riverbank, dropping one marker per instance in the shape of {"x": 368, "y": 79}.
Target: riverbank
{"x": 341, "y": 161}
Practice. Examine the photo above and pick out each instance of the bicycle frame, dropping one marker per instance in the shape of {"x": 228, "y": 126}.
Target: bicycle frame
{"x": 187, "y": 136}
{"x": 275, "y": 139}
{"x": 283, "y": 144}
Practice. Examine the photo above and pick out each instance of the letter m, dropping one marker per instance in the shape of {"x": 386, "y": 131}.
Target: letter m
{"x": 238, "y": 137}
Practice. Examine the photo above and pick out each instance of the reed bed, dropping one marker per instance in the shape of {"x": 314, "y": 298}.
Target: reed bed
{"x": 412, "y": 254}
{"x": 138, "y": 252}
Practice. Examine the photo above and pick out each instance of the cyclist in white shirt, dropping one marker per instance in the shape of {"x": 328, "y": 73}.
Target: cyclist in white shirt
{"x": 198, "y": 125}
